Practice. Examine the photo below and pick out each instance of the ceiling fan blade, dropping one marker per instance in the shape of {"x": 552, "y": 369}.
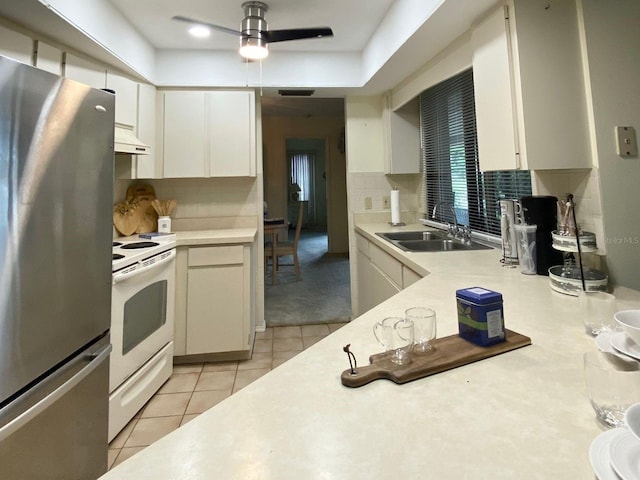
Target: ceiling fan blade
{"x": 273, "y": 36}
{"x": 211, "y": 25}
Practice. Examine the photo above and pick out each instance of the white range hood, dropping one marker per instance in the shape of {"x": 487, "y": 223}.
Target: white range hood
{"x": 125, "y": 141}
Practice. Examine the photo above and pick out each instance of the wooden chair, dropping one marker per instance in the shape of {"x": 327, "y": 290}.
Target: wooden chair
{"x": 284, "y": 249}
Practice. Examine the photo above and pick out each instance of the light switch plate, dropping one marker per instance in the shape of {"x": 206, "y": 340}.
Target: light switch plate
{"x": 368, "y": 204}
{"x": 626, "y": 145}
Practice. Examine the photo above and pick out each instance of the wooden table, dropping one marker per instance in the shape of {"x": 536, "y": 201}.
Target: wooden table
{"x": 272, "y": 227}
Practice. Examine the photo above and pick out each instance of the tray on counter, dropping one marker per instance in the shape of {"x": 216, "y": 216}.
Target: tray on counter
{"x": 449, "y": 352}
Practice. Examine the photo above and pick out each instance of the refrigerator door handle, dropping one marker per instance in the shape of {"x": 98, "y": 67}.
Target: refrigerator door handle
{"x": 94, "y": 359}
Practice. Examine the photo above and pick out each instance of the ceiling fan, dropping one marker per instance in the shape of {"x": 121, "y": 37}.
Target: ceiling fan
{"x": 255, "y": 34}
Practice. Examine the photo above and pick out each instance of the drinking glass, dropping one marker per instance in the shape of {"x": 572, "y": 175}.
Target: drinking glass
{"x": 395, "y": 334}
{"x": 424, "y": 322}
{"x": 597, "y": 309}
{"x": 613, "y": 385}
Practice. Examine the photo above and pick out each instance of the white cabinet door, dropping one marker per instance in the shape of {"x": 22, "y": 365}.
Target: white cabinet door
{"x": 554, "y": 130}
{"x": 16, "y": 46}
{"x": 402, "y": 138}
{"x": 218, "y": 300}
{"x": 209, "y": 134}
{"x": 126, "y": 98}
{"x": 365, "y": 292}
{"x": 184, "y": 140}
{"x": 147, "y": 166}
{"x": 215, "y": 303}
{"x": 231, "y": 134}
{"x": 48, "y": 58}
{"x": 494, "y": 96}
{"x": 84, "y": 71}
{"x": 529, "y": 88}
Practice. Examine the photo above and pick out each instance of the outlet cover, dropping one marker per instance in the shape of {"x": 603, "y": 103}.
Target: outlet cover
{"x": 368, "y": 204}
{"x": 626, "y": 145}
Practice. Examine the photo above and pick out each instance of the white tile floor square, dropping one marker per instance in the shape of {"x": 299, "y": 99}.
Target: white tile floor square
{"x": 192, "y": 389}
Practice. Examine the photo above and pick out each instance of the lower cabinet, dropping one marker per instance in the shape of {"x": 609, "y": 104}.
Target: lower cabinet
{"x": 380, "y": 276}
{"x": 214, "y": 304}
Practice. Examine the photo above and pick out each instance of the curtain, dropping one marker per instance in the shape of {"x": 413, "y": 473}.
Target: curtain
{"x": 302, "y": 167}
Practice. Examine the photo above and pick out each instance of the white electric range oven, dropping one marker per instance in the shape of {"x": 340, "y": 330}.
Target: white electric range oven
{"x": 142, "y": 310}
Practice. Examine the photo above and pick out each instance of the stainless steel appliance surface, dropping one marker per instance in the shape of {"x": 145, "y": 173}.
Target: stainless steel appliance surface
{"x": 142, "y": 311}
{"x": 56, "y": 159}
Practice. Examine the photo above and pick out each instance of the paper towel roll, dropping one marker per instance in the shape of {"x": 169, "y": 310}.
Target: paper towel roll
{"x": 395, "y": 206}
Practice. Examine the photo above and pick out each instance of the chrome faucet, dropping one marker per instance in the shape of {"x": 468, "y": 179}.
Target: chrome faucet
{"x": 451, "y": 227}
{"x": 462, "y": 232}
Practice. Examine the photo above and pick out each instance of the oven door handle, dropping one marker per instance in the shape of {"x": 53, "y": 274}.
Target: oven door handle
{"x": 142, "y": 268}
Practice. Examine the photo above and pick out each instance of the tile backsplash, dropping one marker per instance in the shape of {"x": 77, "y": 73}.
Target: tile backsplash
{"x": 585, "y": 187}
{"x": 202, "y": 197}
{"x": 377, "y": 185}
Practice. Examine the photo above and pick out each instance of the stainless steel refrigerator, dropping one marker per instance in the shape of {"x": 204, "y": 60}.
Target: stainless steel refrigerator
{"x": 56, "y": 190}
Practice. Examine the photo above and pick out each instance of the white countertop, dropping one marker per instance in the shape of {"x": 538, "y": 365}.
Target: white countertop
{"x": 523, "y": 414}
{"x": 216, "y": 236}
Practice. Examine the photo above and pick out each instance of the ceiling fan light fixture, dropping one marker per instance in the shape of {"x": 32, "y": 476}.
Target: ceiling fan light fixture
{"x": 199, "y": 31}
{"x": 253, "y": 48}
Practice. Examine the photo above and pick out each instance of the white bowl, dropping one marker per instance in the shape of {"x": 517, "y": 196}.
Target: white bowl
{"x": 629, "y": 321}
{"x": 632, "y": 419}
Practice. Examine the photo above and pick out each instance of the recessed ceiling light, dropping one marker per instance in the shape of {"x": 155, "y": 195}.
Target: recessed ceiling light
{"x": 200, "y": 31}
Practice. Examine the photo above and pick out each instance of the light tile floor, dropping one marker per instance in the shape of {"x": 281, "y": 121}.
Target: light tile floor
{"x": 192, "y": 389}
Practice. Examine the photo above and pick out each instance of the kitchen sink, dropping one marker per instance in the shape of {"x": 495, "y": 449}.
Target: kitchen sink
{"x": 419, "y": 235}
{"x": 439, "y": 245}
{"x": 429, "y": 241}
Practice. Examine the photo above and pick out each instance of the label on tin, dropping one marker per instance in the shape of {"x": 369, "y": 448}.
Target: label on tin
{"x": 494, "y": 324}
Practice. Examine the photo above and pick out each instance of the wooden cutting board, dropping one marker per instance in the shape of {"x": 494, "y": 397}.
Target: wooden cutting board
{"x": 126, "y": 217}
{"x": 450, "y": 352}
{"x": 144, "y": 194}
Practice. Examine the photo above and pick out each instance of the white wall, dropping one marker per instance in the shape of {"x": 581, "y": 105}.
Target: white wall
{"x": 612, "y": 46}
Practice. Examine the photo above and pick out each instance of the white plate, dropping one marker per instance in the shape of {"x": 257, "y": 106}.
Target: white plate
{"x": 621, "y": 342}
{"x": 603, "y": 341}
{"x": 599, "y": 454}
{"x": 624, "y": 451}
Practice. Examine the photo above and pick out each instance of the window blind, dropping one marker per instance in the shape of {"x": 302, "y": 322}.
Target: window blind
{"x": 453, "y": 181}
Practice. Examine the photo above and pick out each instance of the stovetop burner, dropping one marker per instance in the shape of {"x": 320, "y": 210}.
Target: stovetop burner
{"x": 117, "y": 256}
{"x": 139, "y": 245}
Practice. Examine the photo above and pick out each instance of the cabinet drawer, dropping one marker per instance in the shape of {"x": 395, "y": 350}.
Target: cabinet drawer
{"x": 362, "y": 244}
{"x": 391, "y": 267}
{"x": 223, "y": 255}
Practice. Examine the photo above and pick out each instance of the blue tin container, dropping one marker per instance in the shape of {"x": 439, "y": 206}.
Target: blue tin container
{"x": 480, "y": 316}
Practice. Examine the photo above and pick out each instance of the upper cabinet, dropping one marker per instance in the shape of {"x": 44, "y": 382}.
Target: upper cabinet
{"x": 48, "y": 58}
{"x": 208, "y": 134}
{"x": 183, "y": 134}
{"x": 16, "y": 46}
{"x": 146, "y": 166}
{"x": 402, "y": 137}
{"x": 85, "y": 71}
{"x": 529, "y": 88}
{"x": 126, "y": 92}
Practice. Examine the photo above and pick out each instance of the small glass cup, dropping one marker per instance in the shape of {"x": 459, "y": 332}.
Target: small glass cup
{"x": 613, "y": 385}
{"x": 395, "y": 334}
{"x": 597, "y": 309}
{"x": 425, "y": 328}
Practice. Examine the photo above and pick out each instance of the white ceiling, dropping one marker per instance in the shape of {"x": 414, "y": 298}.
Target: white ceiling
{"x": 353, "y": 22}
{"x": 376, "y": 44}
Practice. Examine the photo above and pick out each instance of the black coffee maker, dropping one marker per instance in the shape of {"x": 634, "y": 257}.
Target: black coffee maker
{"x": 541, "y": 210}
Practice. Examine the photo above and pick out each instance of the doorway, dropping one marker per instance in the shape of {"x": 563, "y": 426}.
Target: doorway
{"x": 306, "y": 167}
{"x": 304, "y": 159}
